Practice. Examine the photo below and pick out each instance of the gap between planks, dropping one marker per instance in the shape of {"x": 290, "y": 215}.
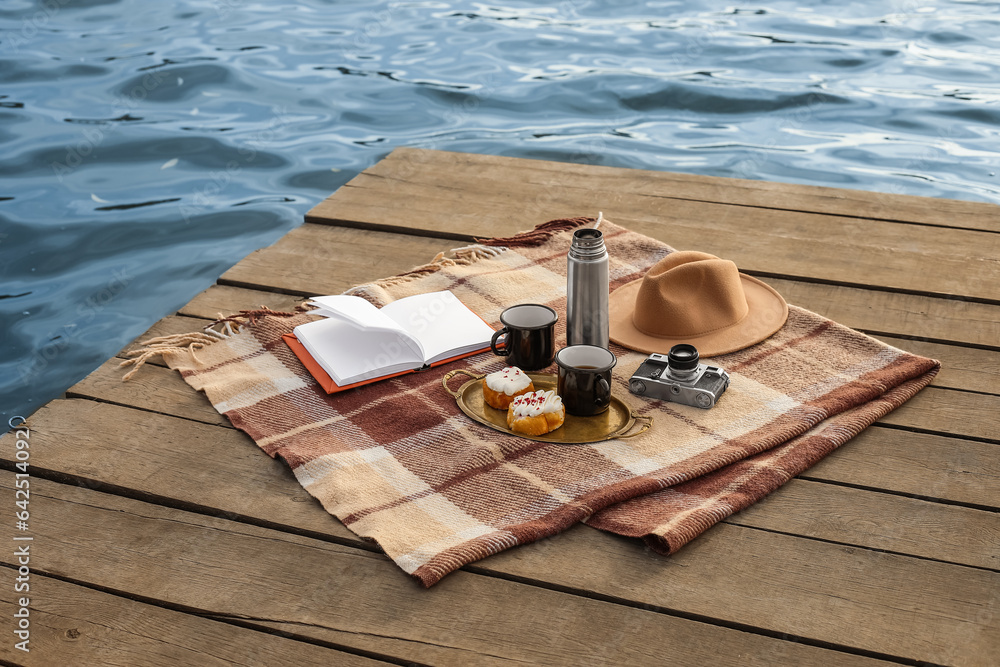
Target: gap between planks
{"x": 73, "y": 623}
{"x": 759, "y": 269}
{"x": 435, "y": 166}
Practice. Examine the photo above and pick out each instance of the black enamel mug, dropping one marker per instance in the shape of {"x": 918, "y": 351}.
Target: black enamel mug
{"x": 530, "y": 341}
{"x": 585, "y": 379}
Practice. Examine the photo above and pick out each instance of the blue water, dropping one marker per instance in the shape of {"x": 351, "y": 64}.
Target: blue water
{"x": 147, "y": 147}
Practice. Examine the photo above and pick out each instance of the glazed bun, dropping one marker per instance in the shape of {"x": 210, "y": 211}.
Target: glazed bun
{"x": 502, "y": 387}
{"x": 536, "y": 413}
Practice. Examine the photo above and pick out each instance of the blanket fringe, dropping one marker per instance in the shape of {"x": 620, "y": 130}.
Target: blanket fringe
{"x": 482, "y": 249}
{"x": 253, "y": 316}
{"x": 161, "y": 346}
{"x": 165, "y": 345}
{"x": 539, "y": 234}
{"x": 460, "y": 257}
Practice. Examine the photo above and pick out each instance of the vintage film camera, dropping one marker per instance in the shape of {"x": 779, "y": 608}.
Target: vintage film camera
{"x": 678, "y": 377}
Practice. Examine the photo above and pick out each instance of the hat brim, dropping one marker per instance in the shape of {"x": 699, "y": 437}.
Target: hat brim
{"x": 768, "y": 312}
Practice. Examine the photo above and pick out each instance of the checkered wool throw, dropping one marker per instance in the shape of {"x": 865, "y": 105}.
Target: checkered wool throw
{"x": 399, "y": 463}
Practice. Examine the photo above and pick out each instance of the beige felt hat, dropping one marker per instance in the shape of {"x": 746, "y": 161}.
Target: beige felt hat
{"x": 696, "y": 298}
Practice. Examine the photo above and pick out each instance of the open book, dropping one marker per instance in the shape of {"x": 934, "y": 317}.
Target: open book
{"x": 356, "y": 342}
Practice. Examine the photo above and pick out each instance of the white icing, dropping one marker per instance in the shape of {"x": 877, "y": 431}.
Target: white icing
{"x": 509, "y": 381}
{"x": 536, "y": 403}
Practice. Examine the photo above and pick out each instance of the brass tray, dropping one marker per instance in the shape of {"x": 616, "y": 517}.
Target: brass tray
{"x": 615, "y": 422}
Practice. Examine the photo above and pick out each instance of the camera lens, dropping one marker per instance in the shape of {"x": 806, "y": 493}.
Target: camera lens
{"x": 683, "y": 358}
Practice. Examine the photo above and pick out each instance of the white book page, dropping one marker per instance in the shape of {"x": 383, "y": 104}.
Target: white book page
{"x": 349, "y": 353}
{"x": 443, "y": 325}
{"x": 363, "y": 315}
{"x": 353, "y": 308}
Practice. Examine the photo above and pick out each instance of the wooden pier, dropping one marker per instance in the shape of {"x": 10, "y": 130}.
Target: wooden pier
{"x": 163, "y": 536}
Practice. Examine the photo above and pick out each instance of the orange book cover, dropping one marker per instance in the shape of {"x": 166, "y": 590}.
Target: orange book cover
{"x": 331, "y": 387}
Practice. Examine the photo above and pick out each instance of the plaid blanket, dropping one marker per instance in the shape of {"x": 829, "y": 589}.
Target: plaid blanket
{"x": 398, "y": 463}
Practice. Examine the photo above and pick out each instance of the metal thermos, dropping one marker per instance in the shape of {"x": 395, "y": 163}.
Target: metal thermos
{"x": 587, "y": 290}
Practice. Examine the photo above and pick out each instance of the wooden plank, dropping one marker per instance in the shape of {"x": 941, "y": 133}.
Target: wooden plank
{"x": 186, "y": 461}
{"x": 876, "y": 312}
{"x": 879, "y": 521}
{"x": 946, "y": 411}
{"x": 434, "y": 167}
{"x": 154, "y": 388}
{"x": 226, "y": 299}
{"x": 74, "y": 625}
{"x": 925, "y": 465}
{"x": 781, "y": 243}
{"x": 315, "y": 260}
{"x": 281, "y": 267}
{"x": 964, "y": 368}
{"x": 918, "y": 464}
{"x": 916, "y": 461}
{"x": 908, "y": 315}
{"x": 353, "y": 598}
{"x": 101, "y": 442}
